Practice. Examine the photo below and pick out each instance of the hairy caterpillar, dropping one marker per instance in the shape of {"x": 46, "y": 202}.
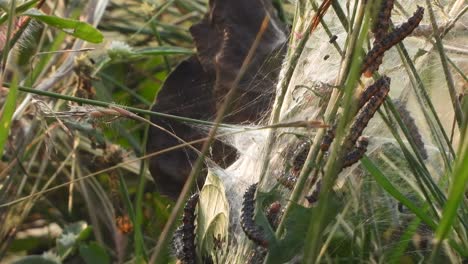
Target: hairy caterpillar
{"x": 380, "y": 30}
{"x": 382, "y": 21}
{"x": 313, "y": 197}
{"x": 328, "y": 138}
{"x": 409, "y": 122}
{"x": 257, "y": 256}
{"x": 273, "y": 214}
{"x": 373, "y": 57}
{"x": 356, "y": 154}
{"x": 367, "y": 111}
{"x": 177, "y": 246}
{"x": 251, "y": 229}
{"x": 184, "y": 236}
{"x": 370, "y": 100}
{"x": 370, "y": 91}
{"x": 299, "y": 157}
{"x": 287, "y": 181}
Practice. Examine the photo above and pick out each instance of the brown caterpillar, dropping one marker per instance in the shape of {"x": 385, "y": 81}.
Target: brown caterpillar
{"x": 328, "y": 138}
{"x": 382, "y": 21}
{"x": 410, "y": 124}
{"x": 367, "y": 111}
{"x": 364, "y": 97}
{"x": 184, "y": 237}
{"x": 313, "y": 197}
{"x": 287, "y": 181}
{"x": 273, "y": 214}
{"x": 257, "y": 256}
{"x": 380, "y": 30}
{"x": 350, "y": 158}
{"x": 299, "y": 157}
{"x": 373, "y": 57}
{"x": 370, "y": 91}
{"x": 251, "y": 229}
{"x": 356, "y": 154}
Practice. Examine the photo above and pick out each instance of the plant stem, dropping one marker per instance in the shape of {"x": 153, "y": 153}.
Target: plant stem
{"x": 106, "y": 104}
{"x": 448, "y": 75}
{"x": 283, "y": 88}
{"x": 317, "y": 222}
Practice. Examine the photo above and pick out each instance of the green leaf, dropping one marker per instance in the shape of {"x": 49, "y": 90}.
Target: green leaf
{"x": 164, "y": 50}
{"x": 123, "y": 52}
{"x": 292, "y": 243}
{"x": 26, "y": 5}
{"x": 400, "y": 247}
{"x": 388, "y": 186}
{"x": 75, "y": 28}
{"x": 8, "y": 111}
{"x": 94, "y": 253}
{"x": 456, "y": 193}
{"x": 263, "y": 200}
{"x": 5, "y": 5}
{"x": 80, "y": 229}
{"x": 71, "y": 235}
{"x": 36, "y": 259}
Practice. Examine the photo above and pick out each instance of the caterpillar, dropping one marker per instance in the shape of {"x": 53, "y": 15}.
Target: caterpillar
{"x": 257, "y": 256}
{"x": 273, "y": 214}
{"x": 299, "y": 157}
{"x": 177, "y": 244}
{"x": 410, "y": 124}
{"x": 367, "y": 111}
{"x": 380, "y": 29}
{"x": 382, "y": 21}
{"x": 356, "y": 154}
{"x": 184, "y": 237}
{"x": 328, "y": 138}
{"x": 370, "y": 91}
{"x": 287, "y": 181}
{"x": 370, "y": 63}
{"x": 376, "y": 89}
{"x": 250, "y": 228}
{"x": 313, "y": 197}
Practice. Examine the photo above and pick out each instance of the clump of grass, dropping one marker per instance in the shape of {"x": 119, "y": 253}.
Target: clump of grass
{"x": 51, "y": 139}
{"x": 72, "y": 150}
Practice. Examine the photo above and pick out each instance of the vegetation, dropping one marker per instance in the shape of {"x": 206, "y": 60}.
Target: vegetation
{"x": 78, "y": 82}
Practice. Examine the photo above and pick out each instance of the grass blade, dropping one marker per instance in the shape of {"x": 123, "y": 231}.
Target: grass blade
{"x": 445, "y": 67}
{"x": 75, "y": 28}
{"x": 388, "y": 186}
{"x": 397, "y": 253}
{"x": 7, "y": 112}
{"x": 456, "y": 193}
